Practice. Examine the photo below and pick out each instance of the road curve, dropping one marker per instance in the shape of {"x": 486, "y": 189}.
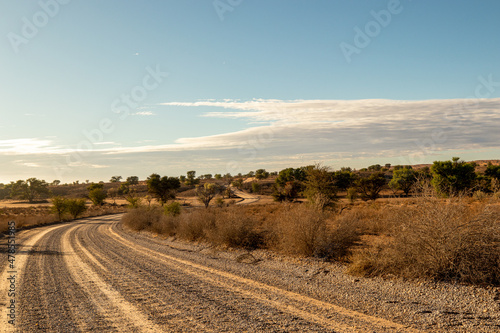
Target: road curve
{"x": 91, "y": 275}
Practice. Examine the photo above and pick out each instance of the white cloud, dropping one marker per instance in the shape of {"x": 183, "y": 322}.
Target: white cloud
{"x": 27, "y": 146}
{"x": 144, "y": 113}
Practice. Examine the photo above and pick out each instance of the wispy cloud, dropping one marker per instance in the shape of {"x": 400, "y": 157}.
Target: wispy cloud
{"x": 27, "y": 146}
{"x": 144, "y": 113}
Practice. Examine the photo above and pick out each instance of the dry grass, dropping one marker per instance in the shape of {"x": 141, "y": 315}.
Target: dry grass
{"x": 438, "y": 239}
{"x": 42, "y": 215}
{"x": 293, "y": 229}
{"x": 443, "y": 239}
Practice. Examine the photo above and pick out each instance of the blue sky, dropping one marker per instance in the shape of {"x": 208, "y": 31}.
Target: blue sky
{"x": 232, "y": 86}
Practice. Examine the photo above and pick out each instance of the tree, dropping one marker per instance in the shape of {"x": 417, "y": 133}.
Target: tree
{"x": 133, "y": 180}
{"x": 370, "y": 186}
{"x": 76, "y": 207}
{"x": 59, "y": 206}
{"x": 453, "y": 177}
{"x": 191, "y": 178}
{"x": 56, "y": 182}
{"x": 288, "y": 185}
{"x": 207, "y": 192}
{"x": 290, "y": 175}
{"x": 115, "y": 179}
{"x": 261, "y": 174}
{"x": 493, "y": 171}
{"x": 163, "y": 188}
{"x": 207, "y": 176}
{"x": 320, "y": 187}
{"x": 124, "y": 188}
{"x": 256, "y": 187}
{"x": 218, "y": 176}
{"x": 238, "y": 183}
{"x": 375, "y": 167}
{"x": 403, "y": 179}
{"x": 30, "y": 189}
{"x": 97, "y": 194}
{"x": 287, "y": 192}
{"x": 344, "y": 179}
{"x": 182, "y": 178}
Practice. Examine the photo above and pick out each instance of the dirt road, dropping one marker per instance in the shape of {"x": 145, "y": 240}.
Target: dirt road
{"x": 90, "y": 275}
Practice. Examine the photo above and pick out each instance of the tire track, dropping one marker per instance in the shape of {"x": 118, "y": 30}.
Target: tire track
{"x": 51, "y": 300}
{"x": 265, "y": 293}
{"x": 109, "y": 302}
{"x": 22, "y": 253}
{"x": 86, "y": 276}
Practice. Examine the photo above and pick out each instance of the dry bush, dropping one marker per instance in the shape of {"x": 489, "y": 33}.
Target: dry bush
{"x": 234, "y": 229}
{"x": 194, "y": 225}
{"x": 149, "y": 219}
{"x": 438, "y": 239}
{"x": 301, "y": 230}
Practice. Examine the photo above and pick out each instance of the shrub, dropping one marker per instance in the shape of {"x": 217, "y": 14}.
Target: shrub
{"x": 439, "y": 240}
{"x": 234, "y": 230}
{"x": 59, "y": 206}
{"x": 97, "y": 196}
{"x": 150, "y": 219}
{"x": 134, "y": 201}
{"x": 193, "y": 225}
{"x": 308, "y": 232}
{"x": 352, "y": 194}
{"x": 76, "y": 207}
{"x": 173, "y": 209}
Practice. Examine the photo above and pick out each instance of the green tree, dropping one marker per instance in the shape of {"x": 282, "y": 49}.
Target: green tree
{"x": 238, "y": 183}
{"x": 289, "y": 184}
{"x": 30, "y": 189}
{"x": 133, "y": 180}
{"x": 403, "y": 179}
{"x": 124, "y": 188}
{"x": 191, "y": 178}
{"x": 375, "y": 167}
{"x": 370, "y": 186}
{"x": 182, "y": 178}
{"x": 320, "y": 187}
{"x": 59, "y": 206}
{"x": 218, "y": 176}
{"x": 287, "y": 192}
{"x": 453, "y": 177}
{"x": 97, "y": 194}
{"x": 256, "y": 187}
{"x": 163, "y": 188}
{"x": 207, "y": 192}
{"x": 493, "y": 171}
{"x": 76, "y": 207}
{"x": 290, "y": 175}
{"x": 261, "y": 174}
{"x": 344, "y": 179}
{"x": 115, "y": 179}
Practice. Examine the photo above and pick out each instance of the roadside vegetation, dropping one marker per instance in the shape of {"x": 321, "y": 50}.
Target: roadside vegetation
{"x": 439, "y": 222}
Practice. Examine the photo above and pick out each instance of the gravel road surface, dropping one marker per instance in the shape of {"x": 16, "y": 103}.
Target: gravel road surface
{"x": 91, "y": 275}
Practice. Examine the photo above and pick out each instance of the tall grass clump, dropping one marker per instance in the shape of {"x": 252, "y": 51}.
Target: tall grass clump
{"x": 304, "y": 231}
{"x": 150, "y": 219}
{"x": 450, "y": 240}
{"x": 233, "y": 229}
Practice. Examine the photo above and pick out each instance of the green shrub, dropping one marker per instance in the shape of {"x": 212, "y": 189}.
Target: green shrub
{"x": 173, "y": 208}
{"x": 76, "y": 207}
{"x": 59, "y": 206}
